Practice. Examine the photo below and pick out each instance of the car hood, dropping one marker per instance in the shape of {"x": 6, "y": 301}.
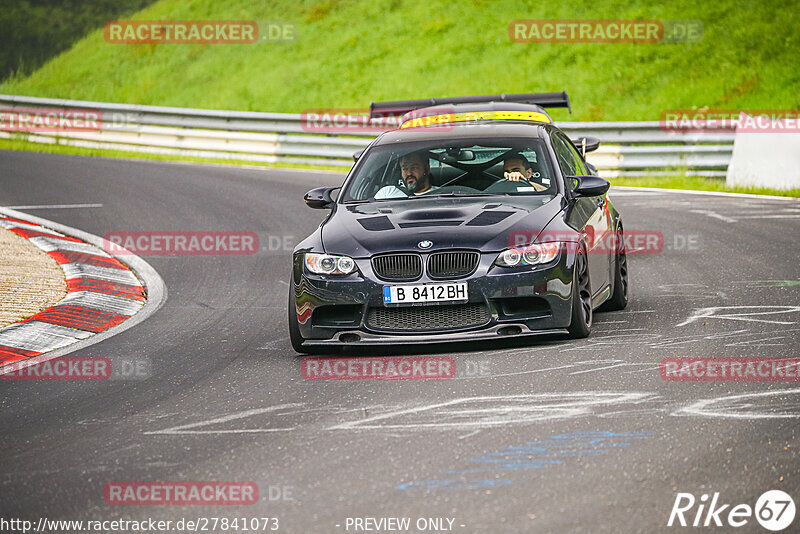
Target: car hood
{"x": 490, "y": 224}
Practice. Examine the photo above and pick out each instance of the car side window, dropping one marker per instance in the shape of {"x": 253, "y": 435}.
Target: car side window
{"x": 566, "y": 160}
{"x": 574, "y": 165}
{"x": 580, "y": 166}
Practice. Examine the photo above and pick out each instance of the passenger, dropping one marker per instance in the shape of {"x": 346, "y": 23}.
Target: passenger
{"x": 517, "y": 167}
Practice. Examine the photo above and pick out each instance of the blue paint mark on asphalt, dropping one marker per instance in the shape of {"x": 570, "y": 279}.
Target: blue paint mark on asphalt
{"x": 532, "y": 455}
{"x": 454, "y": 484}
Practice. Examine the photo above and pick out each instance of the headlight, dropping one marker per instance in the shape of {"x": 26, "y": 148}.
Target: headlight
{"x": 328, "y": 264}
{"x": 530, "y": 255}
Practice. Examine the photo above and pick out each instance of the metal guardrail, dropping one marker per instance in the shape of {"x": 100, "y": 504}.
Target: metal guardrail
{"x": 627, "y": 148}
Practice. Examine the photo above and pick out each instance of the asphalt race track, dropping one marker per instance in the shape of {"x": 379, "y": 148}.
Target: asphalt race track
{"x": 225, "y": 400}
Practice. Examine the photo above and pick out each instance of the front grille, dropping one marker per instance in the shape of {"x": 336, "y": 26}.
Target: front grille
{"x": 397, "y": 267}
{"x": 428, "y": 318}
{"x": 456, "y": 264}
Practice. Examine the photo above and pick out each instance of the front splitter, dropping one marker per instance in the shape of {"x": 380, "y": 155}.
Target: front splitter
{"x": 369, "y": 338}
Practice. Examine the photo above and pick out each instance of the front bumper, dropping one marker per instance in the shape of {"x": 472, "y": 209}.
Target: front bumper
{"x": 512, "y": 302}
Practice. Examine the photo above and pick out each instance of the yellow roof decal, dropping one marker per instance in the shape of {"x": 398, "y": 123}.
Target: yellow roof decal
{"x": 534, "y": 116}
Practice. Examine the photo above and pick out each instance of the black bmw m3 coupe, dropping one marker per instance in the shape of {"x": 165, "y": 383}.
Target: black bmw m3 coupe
{"x": 477, "y": 220}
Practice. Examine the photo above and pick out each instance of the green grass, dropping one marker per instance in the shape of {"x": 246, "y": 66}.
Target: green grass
{"x": 348, "y": 53}
{"x": 666, "y": 182}
{"x": 697, "y": 183}
{"x": 36, "y": 30}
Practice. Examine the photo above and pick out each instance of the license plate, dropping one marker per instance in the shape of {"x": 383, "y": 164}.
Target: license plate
{"x": 453, "y": 291}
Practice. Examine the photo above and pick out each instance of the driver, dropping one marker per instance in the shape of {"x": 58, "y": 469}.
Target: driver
{"x": 416, "y": 173}
{"x": 517, "y": 167}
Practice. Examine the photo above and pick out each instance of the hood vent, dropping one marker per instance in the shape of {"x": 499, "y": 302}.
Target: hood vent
{"x": 376, "y": 224}
{"x": 429, "y": 223}
{"x": 488, "y": 218}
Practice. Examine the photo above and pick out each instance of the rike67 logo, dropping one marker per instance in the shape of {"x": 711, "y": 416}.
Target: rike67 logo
{"x": 774, "y": 511}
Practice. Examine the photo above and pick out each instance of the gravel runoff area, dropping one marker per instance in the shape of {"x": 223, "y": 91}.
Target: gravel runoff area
{"x": 30, "y": 280}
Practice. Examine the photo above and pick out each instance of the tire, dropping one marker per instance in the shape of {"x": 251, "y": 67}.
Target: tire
{"x": 581, "y": 324}
{"x": 619, "y": 298}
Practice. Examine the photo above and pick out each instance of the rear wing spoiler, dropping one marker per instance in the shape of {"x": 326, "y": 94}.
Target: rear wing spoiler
{"x": 401, "y": 107}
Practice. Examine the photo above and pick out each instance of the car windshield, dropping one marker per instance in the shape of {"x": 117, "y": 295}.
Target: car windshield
{"x": 453, "y": 167}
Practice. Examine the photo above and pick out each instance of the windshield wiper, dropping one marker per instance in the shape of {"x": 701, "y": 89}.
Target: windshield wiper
{"x": 417, "y": 197}
{"x": 456, "y": 194}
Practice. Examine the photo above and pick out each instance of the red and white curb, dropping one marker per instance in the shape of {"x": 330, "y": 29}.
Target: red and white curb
{"x": 104, "y": 295}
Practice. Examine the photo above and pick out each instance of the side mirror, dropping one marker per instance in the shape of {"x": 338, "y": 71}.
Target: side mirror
{"x": 357, "y": 154}
{"x": 590, "y": 186}
{"x": 320, "y": 198}
{"x": 586, "y": 144}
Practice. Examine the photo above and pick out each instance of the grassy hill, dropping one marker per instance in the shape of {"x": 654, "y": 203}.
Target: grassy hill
{"x": 348, "y": 53}
{"x": 36, "y": 30}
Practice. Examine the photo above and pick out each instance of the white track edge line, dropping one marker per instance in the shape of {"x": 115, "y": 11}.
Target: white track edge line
{"x": 153, "y": 283}
{"x": 711, "y": 193}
